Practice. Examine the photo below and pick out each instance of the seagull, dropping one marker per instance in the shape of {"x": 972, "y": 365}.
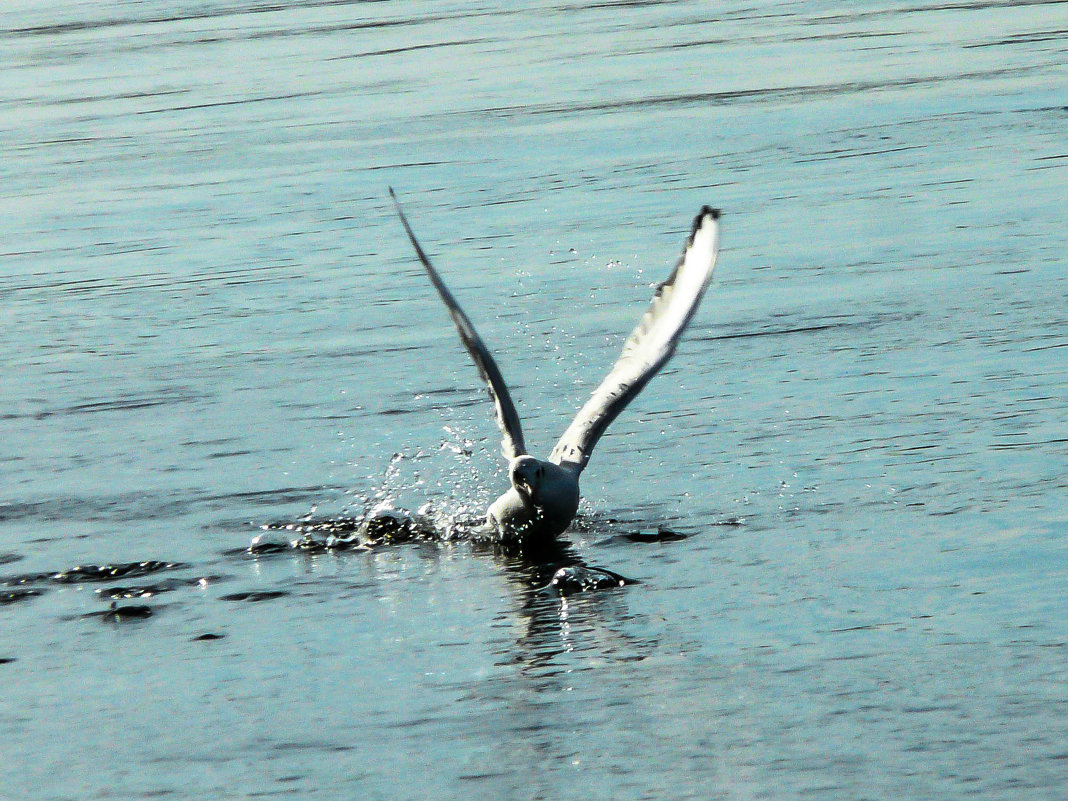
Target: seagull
{"x": 544, "y": 496}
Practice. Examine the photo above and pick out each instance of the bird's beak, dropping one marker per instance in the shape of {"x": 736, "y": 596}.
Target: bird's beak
{"x": 523, "y": 486}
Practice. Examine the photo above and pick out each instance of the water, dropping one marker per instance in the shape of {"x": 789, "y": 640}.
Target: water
{"x": 212, "y": 321}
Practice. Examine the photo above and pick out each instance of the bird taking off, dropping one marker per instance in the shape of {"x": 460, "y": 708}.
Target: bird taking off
{"x": 544, "y": 496}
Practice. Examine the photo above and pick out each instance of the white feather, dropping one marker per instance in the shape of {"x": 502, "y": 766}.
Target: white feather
{"x": 649, "y": 346}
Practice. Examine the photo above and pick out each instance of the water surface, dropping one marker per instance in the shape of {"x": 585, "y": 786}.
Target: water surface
{"x": 212, "y": 321}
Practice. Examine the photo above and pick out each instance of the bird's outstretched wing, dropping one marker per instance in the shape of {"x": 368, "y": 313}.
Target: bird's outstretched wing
{"x": 507, "y": 418}
{"x": 649, "y": 346}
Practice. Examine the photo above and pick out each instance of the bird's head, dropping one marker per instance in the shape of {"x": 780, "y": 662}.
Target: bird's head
{"x": 526, "y": 474}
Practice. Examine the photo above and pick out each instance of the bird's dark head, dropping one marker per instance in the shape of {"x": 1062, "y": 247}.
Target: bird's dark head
{"x": 526, "y": 474}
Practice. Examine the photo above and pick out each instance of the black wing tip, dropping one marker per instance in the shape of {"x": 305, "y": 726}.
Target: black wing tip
{"x": 699, "y": 220}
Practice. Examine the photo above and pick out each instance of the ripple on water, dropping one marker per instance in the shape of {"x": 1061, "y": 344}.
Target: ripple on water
{"x": 14, "y": 596}
{"x": 94, "y": 573}
{"x": 127, "y": 613}
{"x": 255, "y": 596}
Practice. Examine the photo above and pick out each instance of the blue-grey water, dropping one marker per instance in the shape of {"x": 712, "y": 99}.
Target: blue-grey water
{"x": 211, "y": 321}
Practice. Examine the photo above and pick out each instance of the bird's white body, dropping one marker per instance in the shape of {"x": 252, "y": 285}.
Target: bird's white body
{"x": 544, "y": 495}
{"x": 541, "y": 502}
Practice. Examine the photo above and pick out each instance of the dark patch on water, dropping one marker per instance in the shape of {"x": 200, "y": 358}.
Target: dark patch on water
{"x": 254, "y": 596}
{"x": 8, "y": 558}
{"x": 208, "y": 637}
{"x": 659, "y": 535}
{"x": 122, "y": 614}
{"x": 262, "y": 546}
{"x": 580, "y": 578}
{"x": 14, "y": 596}
{"x": 757, "y": 328}
{"x": 93, "y": 573}
{"x": 7, "y": 660}
{"x": 148, "y": 590}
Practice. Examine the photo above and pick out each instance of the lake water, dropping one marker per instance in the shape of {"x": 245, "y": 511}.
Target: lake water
{"x": 212, "y": 321}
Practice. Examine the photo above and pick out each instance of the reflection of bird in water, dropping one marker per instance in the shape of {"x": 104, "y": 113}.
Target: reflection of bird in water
{"x": 544, "y": 495}
{"x": 561, "y": 630}
{"x": 552, "y": 566}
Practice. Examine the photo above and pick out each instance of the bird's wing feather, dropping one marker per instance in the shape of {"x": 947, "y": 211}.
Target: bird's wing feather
{"x": 507, "y": 418}
{"x": 649, "y": 346}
